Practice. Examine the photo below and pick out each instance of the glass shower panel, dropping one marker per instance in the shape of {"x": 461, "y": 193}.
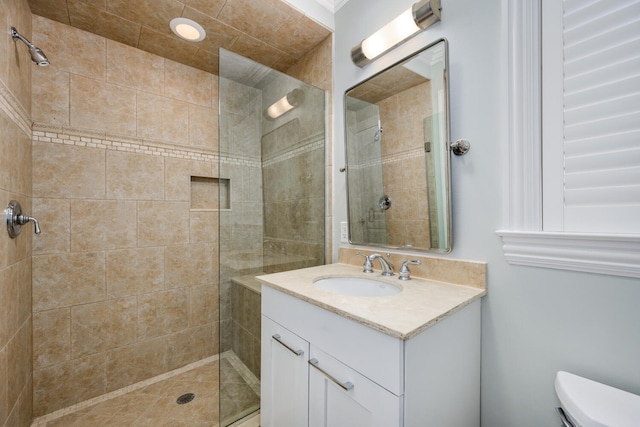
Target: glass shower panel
{"x": 274, "y": 220}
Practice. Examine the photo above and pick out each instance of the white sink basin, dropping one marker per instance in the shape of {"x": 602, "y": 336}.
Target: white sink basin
{"x": 357, "y": 286}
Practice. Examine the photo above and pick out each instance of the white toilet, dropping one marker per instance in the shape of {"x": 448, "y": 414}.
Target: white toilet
{"x": 586, "y": 403}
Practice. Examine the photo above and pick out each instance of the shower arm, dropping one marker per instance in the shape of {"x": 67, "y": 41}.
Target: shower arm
{"x": 15, "y": 35}
{"x": 37, "y": 55}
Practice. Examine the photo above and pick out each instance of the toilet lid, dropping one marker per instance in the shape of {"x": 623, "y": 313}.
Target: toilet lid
{"x": 593, "y": 404}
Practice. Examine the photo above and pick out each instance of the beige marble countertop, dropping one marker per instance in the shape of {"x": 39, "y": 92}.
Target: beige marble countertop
{"x": 421, "y": 304}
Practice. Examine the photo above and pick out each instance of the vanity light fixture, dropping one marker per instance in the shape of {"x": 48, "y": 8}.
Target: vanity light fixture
{"x": 187, "y": 29}
{"x": 284, "y": 104}
{"x": 415, "y": 19}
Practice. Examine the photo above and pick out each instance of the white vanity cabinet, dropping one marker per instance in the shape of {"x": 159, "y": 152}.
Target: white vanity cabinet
{"x": 352, "y": 375}
{"x": 285, "y": 376}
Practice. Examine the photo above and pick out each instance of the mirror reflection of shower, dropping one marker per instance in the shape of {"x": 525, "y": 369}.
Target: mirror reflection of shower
{"x": 366, "y": 184}
{"x": 37, "y": 55}
{"x": 409, "y": 162}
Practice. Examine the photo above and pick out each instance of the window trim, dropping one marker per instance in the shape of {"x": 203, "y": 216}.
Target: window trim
{"x": 524, "y": 242}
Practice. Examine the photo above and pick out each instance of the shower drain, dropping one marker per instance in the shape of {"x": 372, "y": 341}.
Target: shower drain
{"x": 185, "y": 398}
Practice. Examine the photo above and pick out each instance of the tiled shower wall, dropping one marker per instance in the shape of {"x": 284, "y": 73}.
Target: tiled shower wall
{"x": 316, "y": 69}
{"x": 125, "y": 281}
{"x": 15, "y": 183}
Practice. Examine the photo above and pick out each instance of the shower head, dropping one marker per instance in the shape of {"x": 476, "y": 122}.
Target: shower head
{"x": 37, "y": 55}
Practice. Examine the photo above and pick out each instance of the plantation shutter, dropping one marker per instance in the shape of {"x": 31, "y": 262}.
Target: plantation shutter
{"x": 601, "y": 116}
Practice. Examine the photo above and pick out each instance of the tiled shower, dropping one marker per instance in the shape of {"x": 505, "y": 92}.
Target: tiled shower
{"x": 122, "y": 171}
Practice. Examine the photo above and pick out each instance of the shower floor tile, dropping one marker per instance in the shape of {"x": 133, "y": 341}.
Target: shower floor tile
{"x": 153, "y": 402}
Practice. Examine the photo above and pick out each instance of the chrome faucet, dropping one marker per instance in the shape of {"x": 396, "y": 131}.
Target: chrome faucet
{"x": 404, "y": 273}
{"x": 367, "y": 267}
{"x": 387, "y": 267}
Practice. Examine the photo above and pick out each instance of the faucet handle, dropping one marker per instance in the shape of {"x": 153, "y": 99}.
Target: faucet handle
{"x": 367, "y": 267}
{"x": 404, "y": 273}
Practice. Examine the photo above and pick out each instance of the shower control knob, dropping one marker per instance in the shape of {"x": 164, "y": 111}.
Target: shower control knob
{"x": 15, "y": 220}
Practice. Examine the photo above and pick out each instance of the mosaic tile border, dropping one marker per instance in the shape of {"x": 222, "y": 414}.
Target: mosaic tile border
{"x": 99, "y": 140}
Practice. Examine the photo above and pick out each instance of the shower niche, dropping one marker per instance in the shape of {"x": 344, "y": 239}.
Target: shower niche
{"x": 273, "y": 220}
{"x": 210, "y": 194}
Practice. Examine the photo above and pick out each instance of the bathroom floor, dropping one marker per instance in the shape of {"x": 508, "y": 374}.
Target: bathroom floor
{"x": 154, "y": 402}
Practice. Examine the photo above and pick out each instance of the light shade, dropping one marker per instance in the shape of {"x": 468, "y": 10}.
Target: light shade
{"x": 187, "y": 29}
{"x": 284, "y": 104}
{"x": 413, "y": 20}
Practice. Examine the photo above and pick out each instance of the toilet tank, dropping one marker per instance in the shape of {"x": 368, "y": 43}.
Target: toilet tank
{"x": 587, "y": 403}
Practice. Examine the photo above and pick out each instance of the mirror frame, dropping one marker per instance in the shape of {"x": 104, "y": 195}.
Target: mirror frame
{"x": 446, "y": 157}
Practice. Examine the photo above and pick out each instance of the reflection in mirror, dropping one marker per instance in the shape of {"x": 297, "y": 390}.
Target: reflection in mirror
{"x": 397, "y": 133}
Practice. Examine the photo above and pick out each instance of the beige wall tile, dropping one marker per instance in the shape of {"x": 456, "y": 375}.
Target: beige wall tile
{"x": 190, "y": 345}
{"x": 177, "y": 177}
{"x": 70, "y": 49}
{"x": 8, "y": 304}
{"x": 203, "y": 227}
{"x": 102, "y": 224}
{"x": 51, "y": 97}
{"x": 19, "y": 359}
{"x": 100, "y": 106}
{"x": 166, "y": 44}
{"x": 103, "y": 326}
{"x": 131, "y": 67}
{"x": 136, "y": 362}
{"x": 54, "y": 216}
{"x": 162, "y": 223}
{"x": 24, "y": 290}
{"x": 204, "y": 304}
{"x": 162, "y": 119}
{"x": 134, "y": 176}
{"x": 62, "y": 385}
{"x": 189, "y": 84}
{"x": 68, "y": 172}
{"x": 19, "y": 67}
{"x": 203, "y": 128}
{"x": 16, "y": 70}
{"x": 4, "y": 393}
{"x": 160, "y": 313}
{"x": 67, "y": 279}
{"x": 135, "y": 271}
{"x": 51, "y": 337}
{"x": 15, "y": 158}
{"x": 189, "y": 265}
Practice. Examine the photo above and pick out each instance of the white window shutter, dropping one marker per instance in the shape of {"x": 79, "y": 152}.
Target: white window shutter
{"x": 601, "y": 117}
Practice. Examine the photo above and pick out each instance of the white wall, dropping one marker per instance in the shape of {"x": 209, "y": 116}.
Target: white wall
{"x": 535, "y": 321}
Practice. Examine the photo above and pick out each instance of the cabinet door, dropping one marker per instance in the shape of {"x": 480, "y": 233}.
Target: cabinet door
{"x": 284, "y": 377}
{"x": 341, "y": 397}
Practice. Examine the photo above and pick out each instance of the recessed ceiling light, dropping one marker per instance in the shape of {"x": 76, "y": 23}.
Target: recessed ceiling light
{"x": 187, "y": 29}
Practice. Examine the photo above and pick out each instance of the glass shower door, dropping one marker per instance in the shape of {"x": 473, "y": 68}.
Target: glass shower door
{"x": 272, "y": 208}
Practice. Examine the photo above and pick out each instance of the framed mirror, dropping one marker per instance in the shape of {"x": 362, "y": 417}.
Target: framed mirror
{"x": 398, "y": 160}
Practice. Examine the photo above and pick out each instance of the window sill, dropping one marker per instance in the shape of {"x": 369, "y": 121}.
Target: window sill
{"x": 617, "y": 255}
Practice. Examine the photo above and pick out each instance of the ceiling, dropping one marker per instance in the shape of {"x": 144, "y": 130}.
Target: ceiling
{"x": 268, "y": 31}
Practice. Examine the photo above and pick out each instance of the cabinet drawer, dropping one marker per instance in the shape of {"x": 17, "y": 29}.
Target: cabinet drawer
{"x": 373, "y": 354}
{"x": 341, "y": 397}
